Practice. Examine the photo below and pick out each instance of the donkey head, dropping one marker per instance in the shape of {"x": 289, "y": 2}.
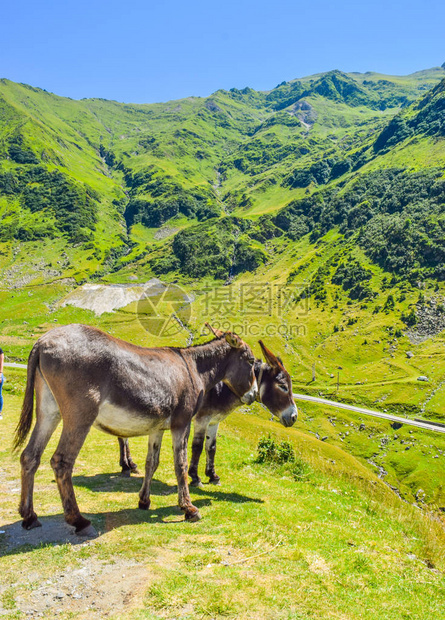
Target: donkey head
{"x": 239, "y": 373}
{"x": 275, "y": 388}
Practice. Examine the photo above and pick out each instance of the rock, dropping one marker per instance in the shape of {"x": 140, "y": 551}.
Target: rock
{"x": 361, "y": 427}
{"x": 409, "y": 354}
{"x": 396, "y": 425}
{"x": 324, "y": 438}
{"x": 422, "y": 378}
{"x": 212, "y": 106}
{"x": 420, "y": 495}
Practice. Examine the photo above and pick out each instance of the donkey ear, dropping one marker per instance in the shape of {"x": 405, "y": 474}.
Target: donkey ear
{"x": 234, "y": 340}
{"x": 271, "y": 359}
{"x": 216, "y": 332}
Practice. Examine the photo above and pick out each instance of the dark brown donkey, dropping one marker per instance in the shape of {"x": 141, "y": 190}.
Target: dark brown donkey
{"x": 274, "y": 391}
{"x": 88, "y": 378}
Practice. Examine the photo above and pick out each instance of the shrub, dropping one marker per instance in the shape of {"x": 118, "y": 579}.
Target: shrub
{"x": 281, "y": 455}
{"x": 389, "y": 303}
{"x": 410, "y": 318}
{"x": 269, "y": 451}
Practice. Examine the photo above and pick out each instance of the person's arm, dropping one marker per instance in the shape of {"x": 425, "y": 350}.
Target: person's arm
{"x": 2, "y": 359}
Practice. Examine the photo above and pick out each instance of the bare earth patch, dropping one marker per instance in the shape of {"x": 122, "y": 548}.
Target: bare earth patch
{"x": 95, "y": 590}
{"x": 102, "y": 298}
{"x": 92, "y": 588}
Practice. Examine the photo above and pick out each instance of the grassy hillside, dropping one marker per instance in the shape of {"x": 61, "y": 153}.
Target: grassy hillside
{"x": 311, "y": 216}
{"x": 319, "y": 537}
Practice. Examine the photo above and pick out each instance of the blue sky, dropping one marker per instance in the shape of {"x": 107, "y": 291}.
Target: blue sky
{"x": 144, "y": 51}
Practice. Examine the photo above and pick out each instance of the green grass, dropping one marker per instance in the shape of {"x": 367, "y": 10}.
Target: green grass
{"x": 197, "y": 144}
{"x": 268, "y": 546}
{"x": 375, "y": 371}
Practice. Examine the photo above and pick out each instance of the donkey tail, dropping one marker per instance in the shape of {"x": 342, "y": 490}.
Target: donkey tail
{"x": 25, "y": 422}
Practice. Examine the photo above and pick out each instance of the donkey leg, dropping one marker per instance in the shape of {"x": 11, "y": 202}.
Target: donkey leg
{"x": 210, "y": 453}
{"x": 197, "y": 447}
{"x": 131, "y": 464}
{"x": 126, "y": 462}
{"x": 180, "y": 438}
{"x": 125, "y": 469}
{"x": 47, "y": 418}
{"x": 151, "y": 465}
{"x": 62, "y": 462}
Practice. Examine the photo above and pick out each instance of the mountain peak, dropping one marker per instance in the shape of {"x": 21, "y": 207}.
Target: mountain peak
{"x": 339, "y": 87}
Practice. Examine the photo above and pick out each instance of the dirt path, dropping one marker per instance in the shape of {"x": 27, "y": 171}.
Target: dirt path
{"x": 96, "y": 589}
{"x": 88, "y": 587}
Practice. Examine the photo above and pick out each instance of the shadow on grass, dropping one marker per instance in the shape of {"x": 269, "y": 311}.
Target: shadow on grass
{"x": 106, "y": 483}
{"x": 56, "y": 532}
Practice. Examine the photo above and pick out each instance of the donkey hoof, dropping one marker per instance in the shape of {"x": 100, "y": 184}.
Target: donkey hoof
{"x": 31, "y": 523}
{"x": 135, "y": 470}
{"x": 216, "y": 481}
{"x": 196, "y": 483}
{"x": 126, "y": 473}
{"x": 79, "y": 523}
{"x": 144, "y": 505}
{"x": 192, "y": 516}
{"x": 87, "y": 532}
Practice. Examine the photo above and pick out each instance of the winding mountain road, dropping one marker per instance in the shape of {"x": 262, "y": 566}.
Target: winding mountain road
{"x": 430, "y": 426}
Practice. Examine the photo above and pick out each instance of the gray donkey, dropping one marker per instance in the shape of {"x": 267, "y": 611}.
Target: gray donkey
{"x": 87, "y": 378}
{"x": 274, "y": 391}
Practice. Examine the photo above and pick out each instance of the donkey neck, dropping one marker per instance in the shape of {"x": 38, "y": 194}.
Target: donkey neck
{"x": 210, "y": 359}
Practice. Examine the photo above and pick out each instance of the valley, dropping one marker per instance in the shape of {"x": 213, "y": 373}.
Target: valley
{"x": 310, "y": 216}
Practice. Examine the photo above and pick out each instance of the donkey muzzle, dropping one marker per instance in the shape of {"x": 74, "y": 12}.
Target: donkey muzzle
{"x": 289, "y": 416}
{"x": 250, "y": 396}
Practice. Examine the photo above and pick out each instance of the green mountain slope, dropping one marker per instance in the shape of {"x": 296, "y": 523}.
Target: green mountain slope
{"x": 327, "y": 192}
{"x": 317, "y": 537}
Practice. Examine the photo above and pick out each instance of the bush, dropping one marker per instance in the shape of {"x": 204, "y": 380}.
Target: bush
{"x": 300, "y": 178}
{"x": 353, "y": 277}
{"x": 271, "y": 452}
{"x": 281, "y": 456}
{"x": 410, "y": 318}
{"x": 389, "y": 303}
